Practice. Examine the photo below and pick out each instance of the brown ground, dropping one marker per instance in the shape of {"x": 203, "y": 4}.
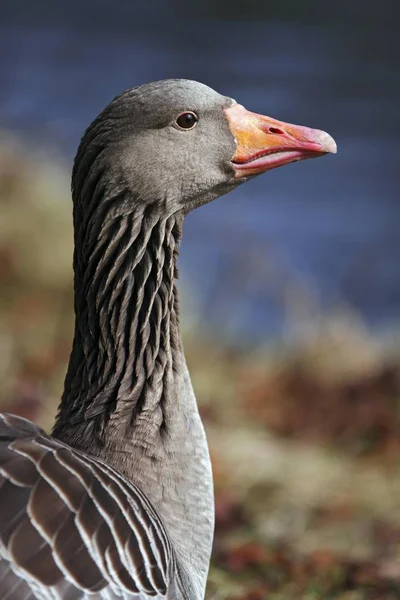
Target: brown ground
{"x": 305, "y": 438}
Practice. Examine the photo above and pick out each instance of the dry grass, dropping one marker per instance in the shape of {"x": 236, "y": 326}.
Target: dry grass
{"x": 305, "y": 438}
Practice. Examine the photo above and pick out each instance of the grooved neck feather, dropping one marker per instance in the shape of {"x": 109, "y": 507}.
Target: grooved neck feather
{"x": 126, "y": 334}
{"x": 128, "y": 398}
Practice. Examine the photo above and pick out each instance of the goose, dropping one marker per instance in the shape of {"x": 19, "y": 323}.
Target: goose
{"x": 118, "y": 501}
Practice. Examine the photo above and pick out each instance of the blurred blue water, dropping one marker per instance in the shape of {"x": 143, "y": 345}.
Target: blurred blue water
{"x": 332, "y": 223}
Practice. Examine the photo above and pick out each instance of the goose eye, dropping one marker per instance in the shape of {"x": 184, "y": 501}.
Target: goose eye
{"x": 187, "y": 120}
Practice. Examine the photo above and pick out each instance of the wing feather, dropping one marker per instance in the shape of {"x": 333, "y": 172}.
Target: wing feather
{"x": 72, "y": 527}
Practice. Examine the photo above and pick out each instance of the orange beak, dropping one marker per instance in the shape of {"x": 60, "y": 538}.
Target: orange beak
{"x": 263, "y": 143}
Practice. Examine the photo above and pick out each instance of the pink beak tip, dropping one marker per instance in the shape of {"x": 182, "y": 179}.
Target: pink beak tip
{"x": 327, "y": 142}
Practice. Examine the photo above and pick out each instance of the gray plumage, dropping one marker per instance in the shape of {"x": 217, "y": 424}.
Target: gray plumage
{"x": 118, "y": 502}
{"x": 128, "y": 436}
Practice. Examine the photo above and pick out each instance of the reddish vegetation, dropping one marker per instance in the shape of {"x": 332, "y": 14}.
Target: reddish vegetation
{"x": 265, "y": 569}
{"x": 361, "y": 415}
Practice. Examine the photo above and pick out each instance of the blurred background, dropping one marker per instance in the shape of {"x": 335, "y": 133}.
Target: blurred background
{"x": 291, "y": 290}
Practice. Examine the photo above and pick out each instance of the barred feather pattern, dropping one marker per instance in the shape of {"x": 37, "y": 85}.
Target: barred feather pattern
{"x": 126, "y": 306}
{"x": 72, "y": 527}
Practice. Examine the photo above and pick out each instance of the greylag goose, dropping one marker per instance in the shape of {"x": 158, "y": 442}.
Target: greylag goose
{"x": 118, "y": 501}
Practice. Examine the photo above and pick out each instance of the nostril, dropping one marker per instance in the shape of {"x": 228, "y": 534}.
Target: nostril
{"x": 276, "y": 130}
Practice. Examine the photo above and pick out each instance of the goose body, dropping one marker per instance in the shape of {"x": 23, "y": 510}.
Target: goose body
{"x": 118, "y": 501}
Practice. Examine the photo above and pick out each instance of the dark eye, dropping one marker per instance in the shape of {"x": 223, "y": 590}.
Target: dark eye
{"x": 187, "y": 120}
